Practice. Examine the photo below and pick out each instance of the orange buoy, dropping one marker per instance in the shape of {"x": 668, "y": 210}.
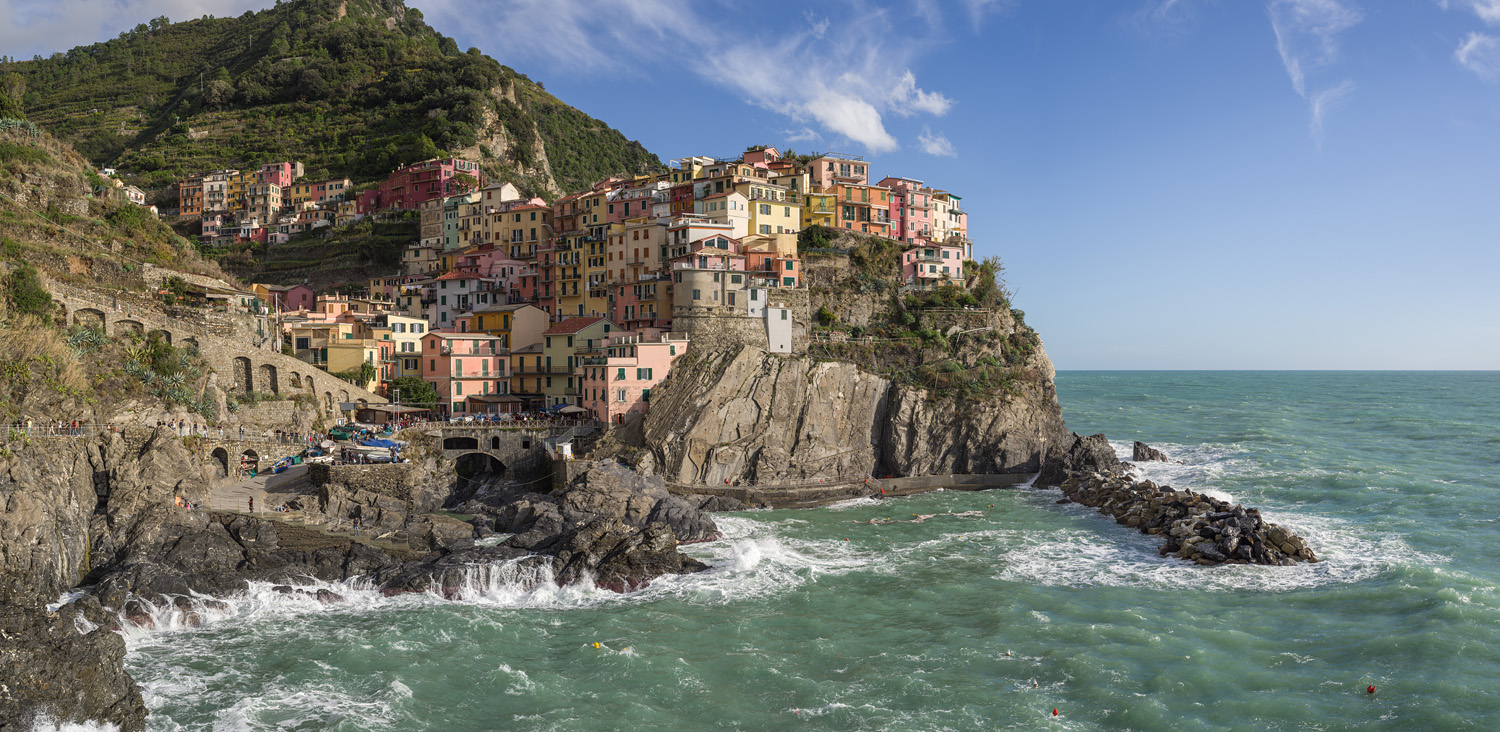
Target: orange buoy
{"x": 1054, "y": 711}
{"x": 1370, "y": 689}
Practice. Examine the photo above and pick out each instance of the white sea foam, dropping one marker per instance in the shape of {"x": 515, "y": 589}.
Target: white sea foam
{"x": 1112, "y": 555}
{"x": 47, "y": 724}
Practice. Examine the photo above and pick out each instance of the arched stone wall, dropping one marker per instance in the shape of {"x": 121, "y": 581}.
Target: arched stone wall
{"x": 267, "y": 380}
{"x": 89, "y": 318}
{"x": 243, "y": 378}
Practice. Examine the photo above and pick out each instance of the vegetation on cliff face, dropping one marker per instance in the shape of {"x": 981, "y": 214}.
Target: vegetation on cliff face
{"x": 324, "y": 257}
{"x": 349, "y": 87}
{"x": 961, "y": 338}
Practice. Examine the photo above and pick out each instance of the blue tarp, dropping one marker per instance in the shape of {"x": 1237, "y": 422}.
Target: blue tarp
{"x": 381, "y": 443}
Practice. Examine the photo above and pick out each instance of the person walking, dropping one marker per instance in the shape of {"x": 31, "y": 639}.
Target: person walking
{"x": 356, "y": 526}
{"x": 252, "y": 504}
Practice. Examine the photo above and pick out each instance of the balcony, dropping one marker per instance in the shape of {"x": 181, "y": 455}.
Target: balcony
{"x": 720, "y": 266}
{"x": 477, "y": 375}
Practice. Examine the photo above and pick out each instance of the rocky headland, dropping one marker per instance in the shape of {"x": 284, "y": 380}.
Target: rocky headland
{"x": 1196, "y": 527}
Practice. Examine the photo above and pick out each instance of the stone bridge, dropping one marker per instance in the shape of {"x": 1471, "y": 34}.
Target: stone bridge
{"x": 518, "y": 450}
{"x": 248, "y": 367}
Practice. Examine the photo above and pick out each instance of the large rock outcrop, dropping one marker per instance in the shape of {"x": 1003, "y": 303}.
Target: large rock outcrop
{"x": 752, "y": 417}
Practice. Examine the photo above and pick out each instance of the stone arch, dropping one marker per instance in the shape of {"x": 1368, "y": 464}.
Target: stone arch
{"x": 242, "y": 374}
{"x": 221, "y": 458}
{"x": 250, "y": 459}
{"x": 162, "y": 333}
{"x": 460, "y": 443}
{"x": 361, "y": 404}
{"x": 124, "y": 326}
{"x": 295, "y": 378}
{"x": 343, "y": 396}
{"x": 268, "y": 381}
{"x": 495, "y": 443}
{"x": 89, "y": 318}
{"x": 328, "y": 401}
{"x": 191, "y": 344}
{"x": 474, "y": 463}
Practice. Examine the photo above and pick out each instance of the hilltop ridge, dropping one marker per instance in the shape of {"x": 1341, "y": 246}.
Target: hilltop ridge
{"x": 351, "y": 87}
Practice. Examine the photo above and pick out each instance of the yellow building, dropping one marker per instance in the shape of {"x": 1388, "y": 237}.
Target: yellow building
{"x": 519, "y": 230}
{"x": 350, "y": 355}
{"x": 773, "y": 209}
{"x": 238, "y": 185}
{"x": 818, "y": 209}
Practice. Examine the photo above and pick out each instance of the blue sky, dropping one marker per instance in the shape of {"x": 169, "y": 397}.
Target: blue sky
{"x": 1172, "y": 184}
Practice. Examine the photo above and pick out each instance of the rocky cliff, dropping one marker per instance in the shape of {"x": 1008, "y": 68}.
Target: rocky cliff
{"x": 751, "y": 417}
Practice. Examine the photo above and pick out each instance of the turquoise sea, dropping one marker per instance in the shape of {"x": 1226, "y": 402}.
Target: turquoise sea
{"x": 815, "y": 619}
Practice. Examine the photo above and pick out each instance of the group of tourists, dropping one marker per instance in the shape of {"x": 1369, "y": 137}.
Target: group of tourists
{"x": 57, "y": 428}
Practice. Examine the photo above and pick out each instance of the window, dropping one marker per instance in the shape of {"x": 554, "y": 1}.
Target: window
{"x": 458, "y": 388}
{"x": 754, "y": 295}
{"x": 765, "y": 209}
{"x": 621, "y": 374}
{"x": 620, "y": 395}
{"x": 783, "y": 315}
{"x": 671, "y": 350}
{"x": 697, "y": 295}
{"x": 736, "y": 279}
{"x": 432, "y": 365}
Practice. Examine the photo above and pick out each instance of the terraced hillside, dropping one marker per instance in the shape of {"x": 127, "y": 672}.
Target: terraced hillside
{"x": 349, "y": 87}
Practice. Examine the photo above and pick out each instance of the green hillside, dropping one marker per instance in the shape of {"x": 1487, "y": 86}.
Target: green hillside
{"x": 349, "y": 87}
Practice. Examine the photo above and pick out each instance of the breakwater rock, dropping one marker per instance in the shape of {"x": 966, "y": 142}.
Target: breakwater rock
{"x": 1196, "y": 527}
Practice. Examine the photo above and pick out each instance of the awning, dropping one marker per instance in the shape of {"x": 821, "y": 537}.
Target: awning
{"x": 572, "y": 409}
{"x": 495, "y": 399}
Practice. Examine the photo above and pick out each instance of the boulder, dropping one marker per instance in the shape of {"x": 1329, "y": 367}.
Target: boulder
{"x": 1142, "y": 452}
{"x": 619, "y": 557}
{"x": 434, "y": 533}
{"x": 1092, "y": 454}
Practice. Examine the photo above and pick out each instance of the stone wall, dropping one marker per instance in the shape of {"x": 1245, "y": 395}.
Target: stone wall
{"x": 715, "y": 329}
{"x": 242, "y": 364}
{"x": 380, "y": 496}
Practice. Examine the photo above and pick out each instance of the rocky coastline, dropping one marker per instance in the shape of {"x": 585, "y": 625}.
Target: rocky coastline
{"x": 1195, "y": 527}
{"x": 99, "y": 514}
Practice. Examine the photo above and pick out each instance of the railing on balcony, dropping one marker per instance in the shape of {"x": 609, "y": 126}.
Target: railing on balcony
{"x": 710, "y": 265}
{"x": 470, "y": 374}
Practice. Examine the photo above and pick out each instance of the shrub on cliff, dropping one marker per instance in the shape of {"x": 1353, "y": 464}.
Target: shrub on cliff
{"x": 24, "y": 291}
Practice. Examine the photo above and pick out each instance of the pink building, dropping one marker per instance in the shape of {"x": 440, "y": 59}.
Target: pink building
{"x": 285, "y": 298}
{"x": 618, "y": 383}
{"x": 280, "y": 174}
{"x": 833, "y": 169}
{"x": 927, "y": 265}
{"x": 409, "y": 186}
{"x": 463, "y": 365}
{"x": 910, "y": 210}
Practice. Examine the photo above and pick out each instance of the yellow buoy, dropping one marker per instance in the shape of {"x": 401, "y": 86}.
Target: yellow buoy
{"x": 596, "y": 645}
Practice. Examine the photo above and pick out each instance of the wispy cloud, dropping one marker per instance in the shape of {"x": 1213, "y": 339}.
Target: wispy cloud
{"x": 1487, "y": 10}
{"x": 29, "y": 27}
{"x": 843, "y": 72}
{"x": 1480, "y": 54}
{"x": 1307, "y": 34}
{"x": 1324, "y": 102}
{"x": 1161, "y": 16}
{"x": 935, "y": 144}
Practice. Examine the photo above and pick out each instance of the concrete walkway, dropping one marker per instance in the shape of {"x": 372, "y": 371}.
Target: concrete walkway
{"x": 236, "y": 497}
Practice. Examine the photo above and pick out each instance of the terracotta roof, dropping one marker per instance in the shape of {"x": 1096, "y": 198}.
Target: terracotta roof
{"x": 572, "y": 325}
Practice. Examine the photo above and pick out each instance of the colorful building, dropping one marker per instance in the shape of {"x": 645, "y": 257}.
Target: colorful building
{"x": 562, "y": 345}
{"x": 461, "y": 365}
{"x": 616, "y": 384}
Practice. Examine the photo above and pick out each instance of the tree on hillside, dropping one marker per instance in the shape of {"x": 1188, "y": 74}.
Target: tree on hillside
{"x": 12, "y": 89}
{"x": 413, "y": 390}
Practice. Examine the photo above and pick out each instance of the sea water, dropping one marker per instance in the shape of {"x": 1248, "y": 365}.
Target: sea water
{"x": 821, "y": 619}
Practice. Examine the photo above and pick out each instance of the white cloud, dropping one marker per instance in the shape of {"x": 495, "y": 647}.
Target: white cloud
{"x": 805, "y": 134}
{"x": 29, "y": 27}
{"x": 1480, "y": 54}
{"x": 1306, "y": 33}
{"x": 935, "y": 144}
{"x": 1324, "y": 102}
{"x": 1487, "y": 10}
{"x": 841, "y": 73}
